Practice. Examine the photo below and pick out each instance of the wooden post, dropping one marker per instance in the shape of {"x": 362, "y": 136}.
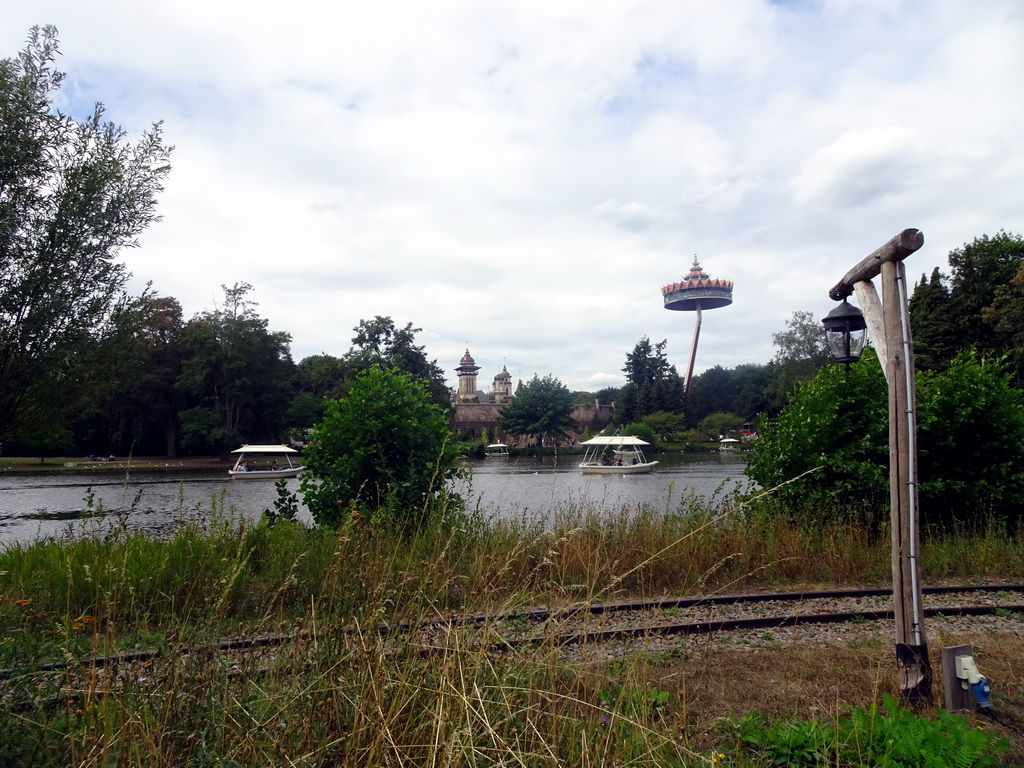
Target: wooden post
{"x": 911, "y": 648}
{"x": 890, "y": 325}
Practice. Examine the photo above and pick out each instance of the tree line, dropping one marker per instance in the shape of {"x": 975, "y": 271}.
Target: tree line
{"x": 85, "y": 364}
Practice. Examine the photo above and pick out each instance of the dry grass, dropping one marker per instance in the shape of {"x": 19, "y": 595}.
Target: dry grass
{"x": 351, "y": 698}
{"x": 715, "y": 681}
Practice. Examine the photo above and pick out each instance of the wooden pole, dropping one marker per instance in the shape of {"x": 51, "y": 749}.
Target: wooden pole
{"x": 889, "y": 322}
{"x": 911, "y": 649}
{"x": 897, "y": 249}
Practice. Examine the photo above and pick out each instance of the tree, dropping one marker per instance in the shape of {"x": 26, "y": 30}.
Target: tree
{"x": 978, "y": 270}
{"x": 719, "y": 425}
{"x": 323, "y": 376}
{"x": 835, "y": 426}
{"x": 1006, "y": 316}
{"x": 238, "y": 370}
{"x": 936, "y": 337}
{"x": 385, "y": 449}
{"x": 379, "y": 343}
{"x": 73, "y": 195}
{"x": 710, "y": 392}
{"x": 145, "y": 396}
{"x": 800, "y": 351}
{"x": 651, "y": 383}
{"x": 971, "y": 423}
{"x": 669, "y": 427}
{"x": 542, "y": 408}
{"x": 640, "y": 429}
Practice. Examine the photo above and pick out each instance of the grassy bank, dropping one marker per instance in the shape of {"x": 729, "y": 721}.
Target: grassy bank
{"x": 344, "y": 698}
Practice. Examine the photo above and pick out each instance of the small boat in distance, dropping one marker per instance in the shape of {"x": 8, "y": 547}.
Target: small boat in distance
{"x": 615, "y": 455}
{"x": 258, "y": 462}
{"x": 728, "y": 445}
{"x": 496, "y": 451}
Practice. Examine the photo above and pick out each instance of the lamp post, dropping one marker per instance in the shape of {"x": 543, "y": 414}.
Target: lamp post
{"x": 889, "y": 321}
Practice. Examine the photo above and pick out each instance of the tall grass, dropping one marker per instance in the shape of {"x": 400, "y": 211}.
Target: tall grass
{"x": 342, "y": 694}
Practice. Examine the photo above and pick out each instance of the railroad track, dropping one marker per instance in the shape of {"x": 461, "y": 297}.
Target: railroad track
{"x": 598, "y": 624}
{"x": 656, "y": 617}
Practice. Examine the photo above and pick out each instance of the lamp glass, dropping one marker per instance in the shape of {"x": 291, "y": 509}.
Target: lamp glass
{"x": 846, "y": 333}
{"x": 846, "y": 345}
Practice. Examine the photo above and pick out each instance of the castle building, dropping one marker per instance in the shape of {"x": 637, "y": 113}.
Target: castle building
{"x": 474, "y": 411}
{"x": 501, "y": 390}
{"x": 467, "y": 372}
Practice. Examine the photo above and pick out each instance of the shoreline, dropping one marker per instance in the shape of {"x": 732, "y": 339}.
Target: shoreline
{"x": 82, "y": 465}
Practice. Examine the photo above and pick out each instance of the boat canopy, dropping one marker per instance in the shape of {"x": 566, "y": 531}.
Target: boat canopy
{"x": 496, "y": 445}
{"x": 264, "y": 449}
{"x": 624, "y": 440}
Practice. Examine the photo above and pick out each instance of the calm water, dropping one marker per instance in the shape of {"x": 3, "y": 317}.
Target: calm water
{"x": 33, "y": 506}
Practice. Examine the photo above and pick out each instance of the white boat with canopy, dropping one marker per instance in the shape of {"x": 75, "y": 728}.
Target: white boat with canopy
{"x": 496, "y": 451}
{"x": 615, "y": 455}
{"x": 258, "y": 462}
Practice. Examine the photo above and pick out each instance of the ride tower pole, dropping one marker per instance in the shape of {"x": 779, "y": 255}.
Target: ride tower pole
{"x": 693, "y": 352}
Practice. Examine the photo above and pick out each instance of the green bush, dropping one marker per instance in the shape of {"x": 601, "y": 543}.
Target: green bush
{"x": 833, "y": 435}
{"x": 385, "y": 451}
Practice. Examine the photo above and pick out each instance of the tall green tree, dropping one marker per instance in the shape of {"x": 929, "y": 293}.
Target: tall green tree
{"x": 145, "y": 396}
{"x": 542, "y": 408}
{"x": 978, "y": 270}
{"x": 1006, "y": 316}
{"x": 380, "y": 343}
{"x": 73, "y": 195}
{"x": 652, "y": 384}
{"x": 800, "y": 351}
{"x": 971, "y": 423}
{"x": 935, "y": 332}
{"x": 385, "y": 449}
{"x": 239, "y": 371}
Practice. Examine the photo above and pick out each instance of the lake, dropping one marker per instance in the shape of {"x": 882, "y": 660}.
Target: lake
{"x": 49, "y": 505}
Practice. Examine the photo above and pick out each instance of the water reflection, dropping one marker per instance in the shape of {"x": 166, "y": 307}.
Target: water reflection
{"x": 526, "y": 486}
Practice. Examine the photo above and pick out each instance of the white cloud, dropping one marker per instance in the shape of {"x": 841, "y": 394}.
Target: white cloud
{"x": 523, "y": 177}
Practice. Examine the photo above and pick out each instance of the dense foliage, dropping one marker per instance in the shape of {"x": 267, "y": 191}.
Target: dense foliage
{"x": 652, "y": 384}
{"x": 829, "y": 445}
{"x": 971, "y": 421}
{"x": 980, "y": 304}
{"x": 833, "y": 436}
{"x": 73, "y": 195}
{"x": 238, "y": 370}
{"x": 542, "y": 408}
{"x": 384, "y": 450}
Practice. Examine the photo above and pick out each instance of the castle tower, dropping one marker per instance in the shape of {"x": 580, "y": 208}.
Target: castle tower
{"x": 501, "y": 392}
{"x": 696, "y": 292}
{"x": 467, "y": 371}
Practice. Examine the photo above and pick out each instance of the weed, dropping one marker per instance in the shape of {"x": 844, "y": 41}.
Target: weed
{"x": 895, "y": 736}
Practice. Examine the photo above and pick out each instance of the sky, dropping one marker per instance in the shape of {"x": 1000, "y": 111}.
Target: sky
{"x": 521, "y": 178}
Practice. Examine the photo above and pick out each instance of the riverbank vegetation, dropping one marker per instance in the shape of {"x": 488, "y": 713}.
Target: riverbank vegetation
{"x": 341, "y": 695}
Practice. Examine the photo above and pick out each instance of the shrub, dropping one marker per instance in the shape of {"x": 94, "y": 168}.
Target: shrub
{"x": 384, "y": 450}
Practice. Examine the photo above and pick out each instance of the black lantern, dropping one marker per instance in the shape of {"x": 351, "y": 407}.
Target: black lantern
{"x": 845, "y": 331}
